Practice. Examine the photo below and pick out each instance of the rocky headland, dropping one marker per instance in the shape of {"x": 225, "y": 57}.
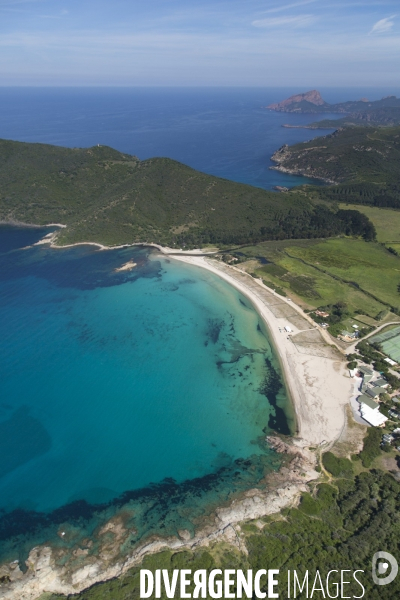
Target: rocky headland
{"x": 71, "y": 570}
{"x": 358, "y": 112}
{"x": 295, "y": 163}
{"x": 292, "y": 104}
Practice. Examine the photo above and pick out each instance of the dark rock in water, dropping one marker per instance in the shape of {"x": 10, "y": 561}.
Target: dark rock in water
{"x": 271, "y": 387}
{"x": 214, "y": 329}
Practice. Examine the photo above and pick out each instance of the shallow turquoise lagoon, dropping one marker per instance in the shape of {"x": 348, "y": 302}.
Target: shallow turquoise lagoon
{"x": 114, "y": 381}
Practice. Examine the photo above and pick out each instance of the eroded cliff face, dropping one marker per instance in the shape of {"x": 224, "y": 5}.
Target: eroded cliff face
{"x": 69, "y": 571}
{"x": 288, "y": 105}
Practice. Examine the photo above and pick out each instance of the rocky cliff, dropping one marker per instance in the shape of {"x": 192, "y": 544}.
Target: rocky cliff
{"x": 288, "y": 105}
{"x": 382, "y": 112}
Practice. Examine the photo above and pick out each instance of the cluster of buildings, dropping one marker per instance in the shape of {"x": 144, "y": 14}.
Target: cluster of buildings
{"x": 371, "y": 389}
{"x": 388, "y": 438}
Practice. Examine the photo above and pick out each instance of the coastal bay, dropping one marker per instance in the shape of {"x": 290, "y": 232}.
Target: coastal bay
{"x": 315, "y": 379}
{"x": 126, "y": 406}
{"x": 100, "y": 531}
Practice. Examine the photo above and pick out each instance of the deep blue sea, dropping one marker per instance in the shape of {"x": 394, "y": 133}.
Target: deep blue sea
{"x": 154, "y": 387}
{"x": 222, "y": 131}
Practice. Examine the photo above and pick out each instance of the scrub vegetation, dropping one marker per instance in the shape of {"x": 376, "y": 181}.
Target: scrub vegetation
{"x": 105, "y": 196}
{"x": 339, "y": 525}
{"x": 364, "y": 162}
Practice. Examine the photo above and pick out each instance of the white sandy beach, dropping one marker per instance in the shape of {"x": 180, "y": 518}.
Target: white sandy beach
{"x": 315, "y": 373}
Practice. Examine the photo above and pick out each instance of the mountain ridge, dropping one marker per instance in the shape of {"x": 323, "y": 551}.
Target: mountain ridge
{"x": 112, "y": 198}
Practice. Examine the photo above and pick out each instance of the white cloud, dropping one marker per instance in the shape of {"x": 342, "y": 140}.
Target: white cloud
{"x": 298, "y": 21}
{"x": 383, "y": 25}
{"x": 286, "y": 6}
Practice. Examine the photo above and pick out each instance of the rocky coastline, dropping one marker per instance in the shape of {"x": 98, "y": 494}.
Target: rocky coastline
{"x": 285, "y": 155}
{"x": 62, "y": 571}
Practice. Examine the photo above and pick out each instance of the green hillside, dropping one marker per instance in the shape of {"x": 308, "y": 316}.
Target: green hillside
{"x": 387, "y": 116}
{"x": 364, "y": 162}
{"x": 349, "y": 155}
{"x": 105, "y": 196}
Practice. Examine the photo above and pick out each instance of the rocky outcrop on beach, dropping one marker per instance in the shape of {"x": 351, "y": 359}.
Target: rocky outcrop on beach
{"x": 69, "y": 571}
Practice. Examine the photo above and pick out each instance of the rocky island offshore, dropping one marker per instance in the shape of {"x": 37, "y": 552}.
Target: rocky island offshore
{"x": 358, "y": 112}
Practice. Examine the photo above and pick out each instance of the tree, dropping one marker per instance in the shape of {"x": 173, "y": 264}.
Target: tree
{"x": 384, "y": 398}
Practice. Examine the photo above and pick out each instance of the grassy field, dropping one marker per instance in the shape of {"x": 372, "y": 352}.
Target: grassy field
{"x": 386, "y": 221}
{"x": 370, "y": 266}
{"x": 320, "y": 272}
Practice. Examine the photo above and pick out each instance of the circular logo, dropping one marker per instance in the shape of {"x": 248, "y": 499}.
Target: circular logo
{"x": 380, "y": 565}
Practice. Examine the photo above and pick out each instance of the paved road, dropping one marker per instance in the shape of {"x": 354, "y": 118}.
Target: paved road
{"x": 352, "y": 347}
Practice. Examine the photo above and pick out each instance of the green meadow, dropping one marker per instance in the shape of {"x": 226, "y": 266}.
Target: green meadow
{"x": 386, "y": 221}
{"x": 369, "y": 266}
{"x": 321, "y": 272}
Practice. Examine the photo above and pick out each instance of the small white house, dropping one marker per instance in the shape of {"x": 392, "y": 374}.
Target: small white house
{"x": 372, "y": 416}
{"x": 288, "y": 329}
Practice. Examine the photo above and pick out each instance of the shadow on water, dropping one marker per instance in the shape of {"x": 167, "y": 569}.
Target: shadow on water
{"x": 13, "y": 238}
{"x": 83, "y": 267}
{"x": 22, "y": 438}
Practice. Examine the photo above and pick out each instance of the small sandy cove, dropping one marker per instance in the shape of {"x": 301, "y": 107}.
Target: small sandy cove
{"x": 314, "y": 369}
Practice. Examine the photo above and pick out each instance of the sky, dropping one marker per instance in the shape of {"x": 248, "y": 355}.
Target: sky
{"x": 269, "y": 43}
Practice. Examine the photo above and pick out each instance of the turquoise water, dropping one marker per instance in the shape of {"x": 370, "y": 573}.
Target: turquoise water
{"x": 114, "y": 381}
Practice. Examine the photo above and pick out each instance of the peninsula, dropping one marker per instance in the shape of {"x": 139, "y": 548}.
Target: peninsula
{"x": 364, "y": 162}
{"x": 358, "y": 112}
